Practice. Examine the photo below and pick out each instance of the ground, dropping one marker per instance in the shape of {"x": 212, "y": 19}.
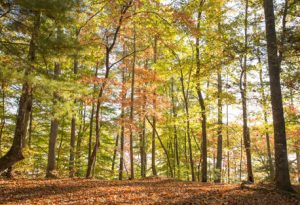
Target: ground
{"x": 147, "y": 191}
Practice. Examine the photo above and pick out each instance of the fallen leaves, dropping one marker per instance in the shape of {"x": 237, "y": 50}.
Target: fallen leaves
{"x": 147, "y": 191}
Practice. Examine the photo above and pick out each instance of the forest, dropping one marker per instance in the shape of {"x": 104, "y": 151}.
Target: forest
{"x": 163, "y": 101}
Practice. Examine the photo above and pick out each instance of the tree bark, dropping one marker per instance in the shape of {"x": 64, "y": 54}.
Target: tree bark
{"x": 228, "y": 145}
{"x": 25, "y": 104}
{"x": 202, "y": 104}
{"x": 53, "y": 130}
{"x": 186, "y": 107}
{"x": 163, "y": 146}
{"x": 153, "y": 166}
{"x": 298, "y": 162}
{"x": 80, "y": 134}
{"x": 73, "y": 130}
{"x": 220, "y": 127}
{"x": 108, "y": 50}
{"x": 132, "y": 106}
{"x": 72, "y": 147}
{"x": 243, "y": 89}
{"x": 142, "y": 137}
{"x": 92, "y": 118}
{"x": 115, "y": 155}
{"x": 2, "y": 124}
{"x": 123, "y": 97}
{"x": 282, "y": 176}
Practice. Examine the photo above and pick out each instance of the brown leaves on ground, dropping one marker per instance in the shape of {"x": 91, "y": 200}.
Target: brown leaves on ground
{"x": 147, "y": 191}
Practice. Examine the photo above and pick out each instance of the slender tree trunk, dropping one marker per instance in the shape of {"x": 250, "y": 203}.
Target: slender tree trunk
{"x": 80, "y": 134}
{"x": 241, "y": 159}
{"x": 59, "y": 162}
{"x": 2, "y": 124}
{"x": 154, "y": 172}
{"x": 73, "y": 130}
{"x": 92, "y": 118}
{"x": 186, "y": 106}
{"x": 220, "y": 127}
{"x": 53, "y": 130}
{"x": 92, "y": 159}
{"x": 142, "y": 138}
{"x": 132, "y": 106}
{"x": 153, "y": 166}
{"x": 25, "y": 104}
{"x": 282, "y": 176}
{"x": 228, "y": 145}
{"x": 108, "y": 49}
{"x": 243, "y": 89}
{"x": 121, "y": 165}
{"x": 163, "y": 147}
{"x": 72, "y": 148}
{"x": 115, "y": 155}
{"x": 202, "y": 106}
{"x": 298, "y": 162}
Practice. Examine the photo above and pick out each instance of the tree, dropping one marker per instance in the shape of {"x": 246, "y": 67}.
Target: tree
{"x": 25, "y": 103}
{"x": 282, "y": 177}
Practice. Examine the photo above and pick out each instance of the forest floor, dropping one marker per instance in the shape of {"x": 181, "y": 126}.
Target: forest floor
{"x": 146, "y": 191}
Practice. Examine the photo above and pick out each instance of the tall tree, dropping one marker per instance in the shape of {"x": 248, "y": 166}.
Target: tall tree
{"x": 53, "y": 128}
{"x": 153, "y": 166}
{"x": 132, "y": 104}
{"x": 282, "y": 176}
{"x": 243, "y": 89}
{"x": 25, "y": 103}
{"x": 110, "y": 44}
{"x": 219, "y": 132}
{"x": 201, "y": 102}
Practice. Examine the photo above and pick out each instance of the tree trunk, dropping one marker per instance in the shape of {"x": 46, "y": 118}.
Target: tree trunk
{"x": 51, "y": 151}
{"x": 298, "y": 162}
{"x": 30, "y": 130}
{"x": 2, "y": 124}
{"x": 73, "y": 130}
{"x": 186, "y": 107}
{"x": 81, "y": 131}
{"x": 25, "y": 104}
{"x": 153, "y": 166}
{"x": 132, "y": 106}
{"x": 202, "y": 106}
{"x": 121, "y": 166}
{"x": 220, "y": 127}
{"x": 241, "y": 159}
{"x": 228, "y": 146}
{"x": 282, "y": 176}
{"x": 163, "y": 147}
{"x": 72, "y": 148}
{"x": 154, "y": 172}
{"x": 115, "y": 155}
{"x": 92, "y": 118}
{"x": 243, "y": 89}
{"x": 142, "y": 138}
{"x": 123, "y": 93}
{"x": 108, "y": 49}
{"x": 53, "y": 130}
